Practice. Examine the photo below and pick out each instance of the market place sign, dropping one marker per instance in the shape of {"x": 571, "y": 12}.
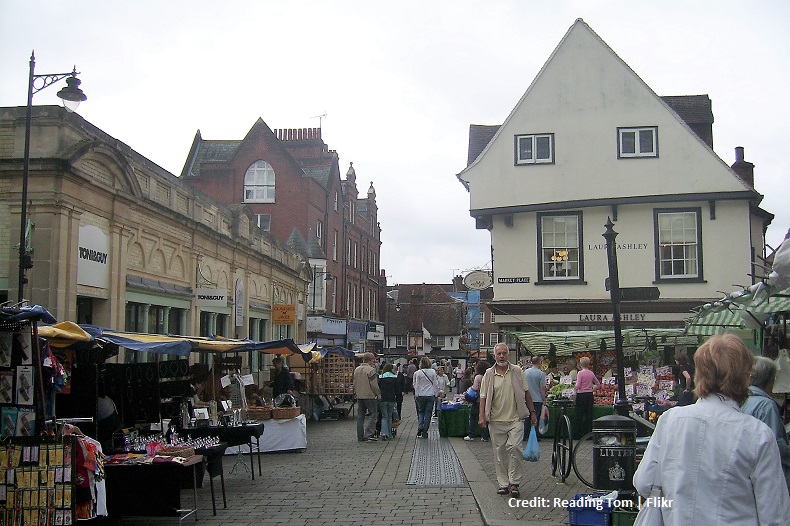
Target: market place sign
{"x": 211, "y": 297}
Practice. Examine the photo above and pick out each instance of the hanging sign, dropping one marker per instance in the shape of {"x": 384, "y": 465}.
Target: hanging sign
{"x": 283, "y": 314}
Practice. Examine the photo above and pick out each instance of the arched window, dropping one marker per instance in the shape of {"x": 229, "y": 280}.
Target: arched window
{"x": 259, "y": 183}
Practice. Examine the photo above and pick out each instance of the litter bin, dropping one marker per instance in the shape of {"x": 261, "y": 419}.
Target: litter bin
{"x": 614, "y": 451}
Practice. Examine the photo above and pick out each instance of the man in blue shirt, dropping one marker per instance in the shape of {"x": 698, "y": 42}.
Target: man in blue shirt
{"x": 536, "y": 382}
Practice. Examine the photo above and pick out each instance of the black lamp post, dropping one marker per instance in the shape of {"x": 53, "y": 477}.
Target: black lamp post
{"x": 621, "y": 406}
{"x": 72, "y": 95}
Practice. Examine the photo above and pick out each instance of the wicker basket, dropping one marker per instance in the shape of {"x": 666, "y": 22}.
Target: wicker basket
{"x": 177, "y": 451}
{"x": 282, "y": 413}
{"x": 260, "y": 413}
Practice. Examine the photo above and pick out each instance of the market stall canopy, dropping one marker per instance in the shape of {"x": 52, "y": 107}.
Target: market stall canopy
{"x": 749, "y": 307}
{"x": 14, "y": 315}
{"x": 183, "y": 345}
{"x": 286, "y": 347}
{"x": 737, "y": 311}
{"x": 64, "y": 334}
{"x": 567, "y": 343}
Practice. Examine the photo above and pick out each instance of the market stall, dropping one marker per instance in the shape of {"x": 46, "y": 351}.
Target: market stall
{"x": 329, "y": 378}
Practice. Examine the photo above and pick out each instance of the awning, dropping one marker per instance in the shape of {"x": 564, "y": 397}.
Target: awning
{"x": 723, "y": 316}
{"x": 569, "y": 342}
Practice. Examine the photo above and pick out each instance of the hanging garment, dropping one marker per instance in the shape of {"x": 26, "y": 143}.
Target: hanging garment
{"x": 782, "y": 380}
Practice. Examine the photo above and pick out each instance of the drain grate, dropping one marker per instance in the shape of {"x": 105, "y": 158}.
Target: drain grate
{"x": 434, "y": 463}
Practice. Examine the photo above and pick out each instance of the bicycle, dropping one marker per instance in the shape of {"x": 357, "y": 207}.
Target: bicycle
{"x": 562, "y": 447}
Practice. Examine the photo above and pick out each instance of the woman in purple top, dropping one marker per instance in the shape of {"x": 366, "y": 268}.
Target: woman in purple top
{"x": 586, "y": 383}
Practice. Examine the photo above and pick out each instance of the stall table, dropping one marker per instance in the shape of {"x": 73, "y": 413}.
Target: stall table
{"x": 454, "y": 422}
{"x": 234, "y": 436}
{"x": 151, "y": 490}
{"x": 281, "y": 435}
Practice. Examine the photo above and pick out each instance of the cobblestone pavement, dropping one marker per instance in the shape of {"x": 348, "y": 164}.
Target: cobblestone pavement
{"x": 340, "y": 481}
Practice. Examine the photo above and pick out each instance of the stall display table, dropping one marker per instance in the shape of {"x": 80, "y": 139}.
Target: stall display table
{"x": 150, "y": 490}
{"x": 234, "y": 436}
{"x": 598, "y": 411}
{"x": 454, "y": 422}
{"x": 281, "y": 435}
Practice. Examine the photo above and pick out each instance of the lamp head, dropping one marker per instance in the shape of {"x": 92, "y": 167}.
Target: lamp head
{"x": 329, "y": 276}
{"x": 72, "y": 95}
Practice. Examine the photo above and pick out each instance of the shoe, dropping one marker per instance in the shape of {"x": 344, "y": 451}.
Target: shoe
{"x": 503, "y": 490}
{"x": 422, "y": 434}
{"x": 484, "y": 440}
{"x": 514, "y": 491}
{"x": 372, "y": 439}
{"x": 384, "y": 437}
{"x": 468, "y": 438}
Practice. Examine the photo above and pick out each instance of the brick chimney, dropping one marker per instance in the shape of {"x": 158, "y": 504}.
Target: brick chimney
{"x": 417, "y": 302}
{"x": 744, "y": 169}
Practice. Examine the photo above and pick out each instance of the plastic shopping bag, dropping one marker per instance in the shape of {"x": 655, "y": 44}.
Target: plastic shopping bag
{"x": 543, "y": 425}
{"x": 532, "y": 450}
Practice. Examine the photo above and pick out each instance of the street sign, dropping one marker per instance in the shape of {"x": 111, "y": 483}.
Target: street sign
{"x": 639, "y": 293}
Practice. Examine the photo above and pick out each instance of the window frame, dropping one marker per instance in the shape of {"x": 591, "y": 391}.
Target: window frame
{"x": 637, "y": 153}
{"x": 684, "y": 278}
{"x": 518, "y": 161}
{"x": 493, "y": 339}
{"x": 552, "y": 280}
{"x": 267, "y": 187}
{"x": 259, "y": 217}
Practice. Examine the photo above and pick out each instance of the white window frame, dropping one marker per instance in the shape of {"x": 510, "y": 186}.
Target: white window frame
{"x": 259, "y": 183}
{"x": 678, "y": 235}
{"x": 319, "y": 229}
{"x": 493, "y": 338}
{"x": 401, "y": 341}
{"x": 640, "y": 150}
{"x": 439, "y": 341}
{"x": 337, "y": 200}
{"x": 266, "y": 226}
{"x": 557, "y": 259}
{"x": 334, "y": 246}
{"x": 532, "y": 140}
{"x": 482, "y": 317}
{"x": 492, "y": 318}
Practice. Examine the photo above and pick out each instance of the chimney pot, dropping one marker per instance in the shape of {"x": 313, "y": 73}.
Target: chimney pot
{"x": 738, "y": 154}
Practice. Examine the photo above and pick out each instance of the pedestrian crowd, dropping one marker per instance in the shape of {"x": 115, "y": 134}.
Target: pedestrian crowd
{"x": 721, "y": 456}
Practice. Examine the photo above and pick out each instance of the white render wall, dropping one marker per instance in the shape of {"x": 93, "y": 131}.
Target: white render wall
{"x": 724, "y": 262}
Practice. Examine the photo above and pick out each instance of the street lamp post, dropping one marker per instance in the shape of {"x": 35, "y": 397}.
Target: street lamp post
{"x": 621, "y": 406}
{"x": 329, "y": 277}
{"x": 72, "y": 95}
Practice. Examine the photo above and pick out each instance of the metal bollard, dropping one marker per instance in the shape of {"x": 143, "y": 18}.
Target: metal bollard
{"x": 614, "y": 451}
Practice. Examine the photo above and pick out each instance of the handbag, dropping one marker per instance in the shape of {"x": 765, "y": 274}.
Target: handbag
{"x": 532, "y": 449}
{"x": 543, "y": 425}
{"x": 471, "y": 395}
{"x": 651, "y": 515}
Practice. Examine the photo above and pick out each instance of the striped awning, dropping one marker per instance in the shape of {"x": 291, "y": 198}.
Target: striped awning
{"x": 570, "y": 342}
{"x": 724, "y": 316}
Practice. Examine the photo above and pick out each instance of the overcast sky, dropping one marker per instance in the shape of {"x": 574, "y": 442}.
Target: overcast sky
{"x": 399, "y": 83}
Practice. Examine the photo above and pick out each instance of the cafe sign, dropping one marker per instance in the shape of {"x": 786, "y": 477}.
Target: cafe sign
{"x": 283, "y": 314}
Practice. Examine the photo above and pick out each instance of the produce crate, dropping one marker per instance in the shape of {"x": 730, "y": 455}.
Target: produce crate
{"x": 589, "y": 515}
{"x": 621, "y": 517}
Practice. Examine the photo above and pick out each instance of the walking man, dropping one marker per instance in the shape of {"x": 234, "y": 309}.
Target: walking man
{"x": 536, "y": 383}
{"x": 368, "y": 395}
{"x": 505, "y": 403}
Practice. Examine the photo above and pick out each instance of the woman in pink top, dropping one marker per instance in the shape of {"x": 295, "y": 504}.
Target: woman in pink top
{"x": 586, "y": 383}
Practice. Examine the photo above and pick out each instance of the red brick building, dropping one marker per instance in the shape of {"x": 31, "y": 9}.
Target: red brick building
{"x": 291, "y": 182}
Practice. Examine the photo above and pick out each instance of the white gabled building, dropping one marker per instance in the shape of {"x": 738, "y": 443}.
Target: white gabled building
{"x": 588, "y": 141}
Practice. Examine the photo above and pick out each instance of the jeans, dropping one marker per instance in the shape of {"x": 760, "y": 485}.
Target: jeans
{"x": 387, "y": 411}
{"x": 424, "y": 410}
{"x": 367, "y": 414}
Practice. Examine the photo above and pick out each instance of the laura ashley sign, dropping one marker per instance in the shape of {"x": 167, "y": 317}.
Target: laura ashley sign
{"x": 93, "y": 257}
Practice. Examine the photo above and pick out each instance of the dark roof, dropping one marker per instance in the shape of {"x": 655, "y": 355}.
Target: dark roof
{"x": 320, "y": 174}
{"x": 210, "y": 151}
{"x": 693, "y": 109}
{"x": 479, "y": 137}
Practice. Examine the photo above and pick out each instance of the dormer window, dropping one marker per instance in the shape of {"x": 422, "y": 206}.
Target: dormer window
{"x": 637, "y": 142}
{"x": 534, "y": 149}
